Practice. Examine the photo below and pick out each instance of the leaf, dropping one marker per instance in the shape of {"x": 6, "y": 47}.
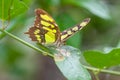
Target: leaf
{"x": 97, "y": 7}
{"x": 103, "y": 60}
{"x": 12, "y": 8}
{"x": 71, "y": 66}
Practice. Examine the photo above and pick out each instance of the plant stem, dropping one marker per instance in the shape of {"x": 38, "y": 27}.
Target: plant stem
{"x": 102, "y": 70}
{"x": 27, "y": 44}
{"x": 47, "y": 53}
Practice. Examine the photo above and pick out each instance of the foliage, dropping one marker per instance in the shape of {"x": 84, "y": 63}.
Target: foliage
{"x": 103, "y": 60}
{"x": 13, "y": 8}
{"x": 71, "y": 65}
{"x": 102, "y": 32}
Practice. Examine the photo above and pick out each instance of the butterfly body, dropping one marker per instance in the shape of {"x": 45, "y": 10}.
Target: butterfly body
{"x": 46, "y": 31}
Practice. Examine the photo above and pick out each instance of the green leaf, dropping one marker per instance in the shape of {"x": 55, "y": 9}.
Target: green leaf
{"x": 71, "y": 67}
{"x": 97, "y": 7}
{"x": 12, "y": 8}
{"x": 103, "y": 60}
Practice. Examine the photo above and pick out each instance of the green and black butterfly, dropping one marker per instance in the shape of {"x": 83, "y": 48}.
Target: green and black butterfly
{"x": 46, "y": 31}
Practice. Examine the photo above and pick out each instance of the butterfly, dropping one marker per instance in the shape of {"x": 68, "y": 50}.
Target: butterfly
{"x": 46, "y": 31}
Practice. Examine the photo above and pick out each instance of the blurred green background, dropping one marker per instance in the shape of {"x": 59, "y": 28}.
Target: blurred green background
{"x": 19, "y": 62}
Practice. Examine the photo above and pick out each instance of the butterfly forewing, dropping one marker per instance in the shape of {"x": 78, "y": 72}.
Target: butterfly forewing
{"x": 71, "y": 31}
{"x": 45, "y": 30}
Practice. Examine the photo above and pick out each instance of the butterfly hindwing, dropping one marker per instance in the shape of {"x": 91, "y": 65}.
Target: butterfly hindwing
{"x": 45, "y": 30}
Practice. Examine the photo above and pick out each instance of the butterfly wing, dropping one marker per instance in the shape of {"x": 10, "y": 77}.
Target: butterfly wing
{"x": 71, "y": 31}
{"x": 45, "y": 29}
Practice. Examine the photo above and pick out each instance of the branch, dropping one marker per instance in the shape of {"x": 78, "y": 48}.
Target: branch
{"x": 102, "y": 70}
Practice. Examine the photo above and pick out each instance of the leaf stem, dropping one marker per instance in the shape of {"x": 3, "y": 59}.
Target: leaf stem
{"x": 29, "y": 45}
{"x": 102, "y": 70}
